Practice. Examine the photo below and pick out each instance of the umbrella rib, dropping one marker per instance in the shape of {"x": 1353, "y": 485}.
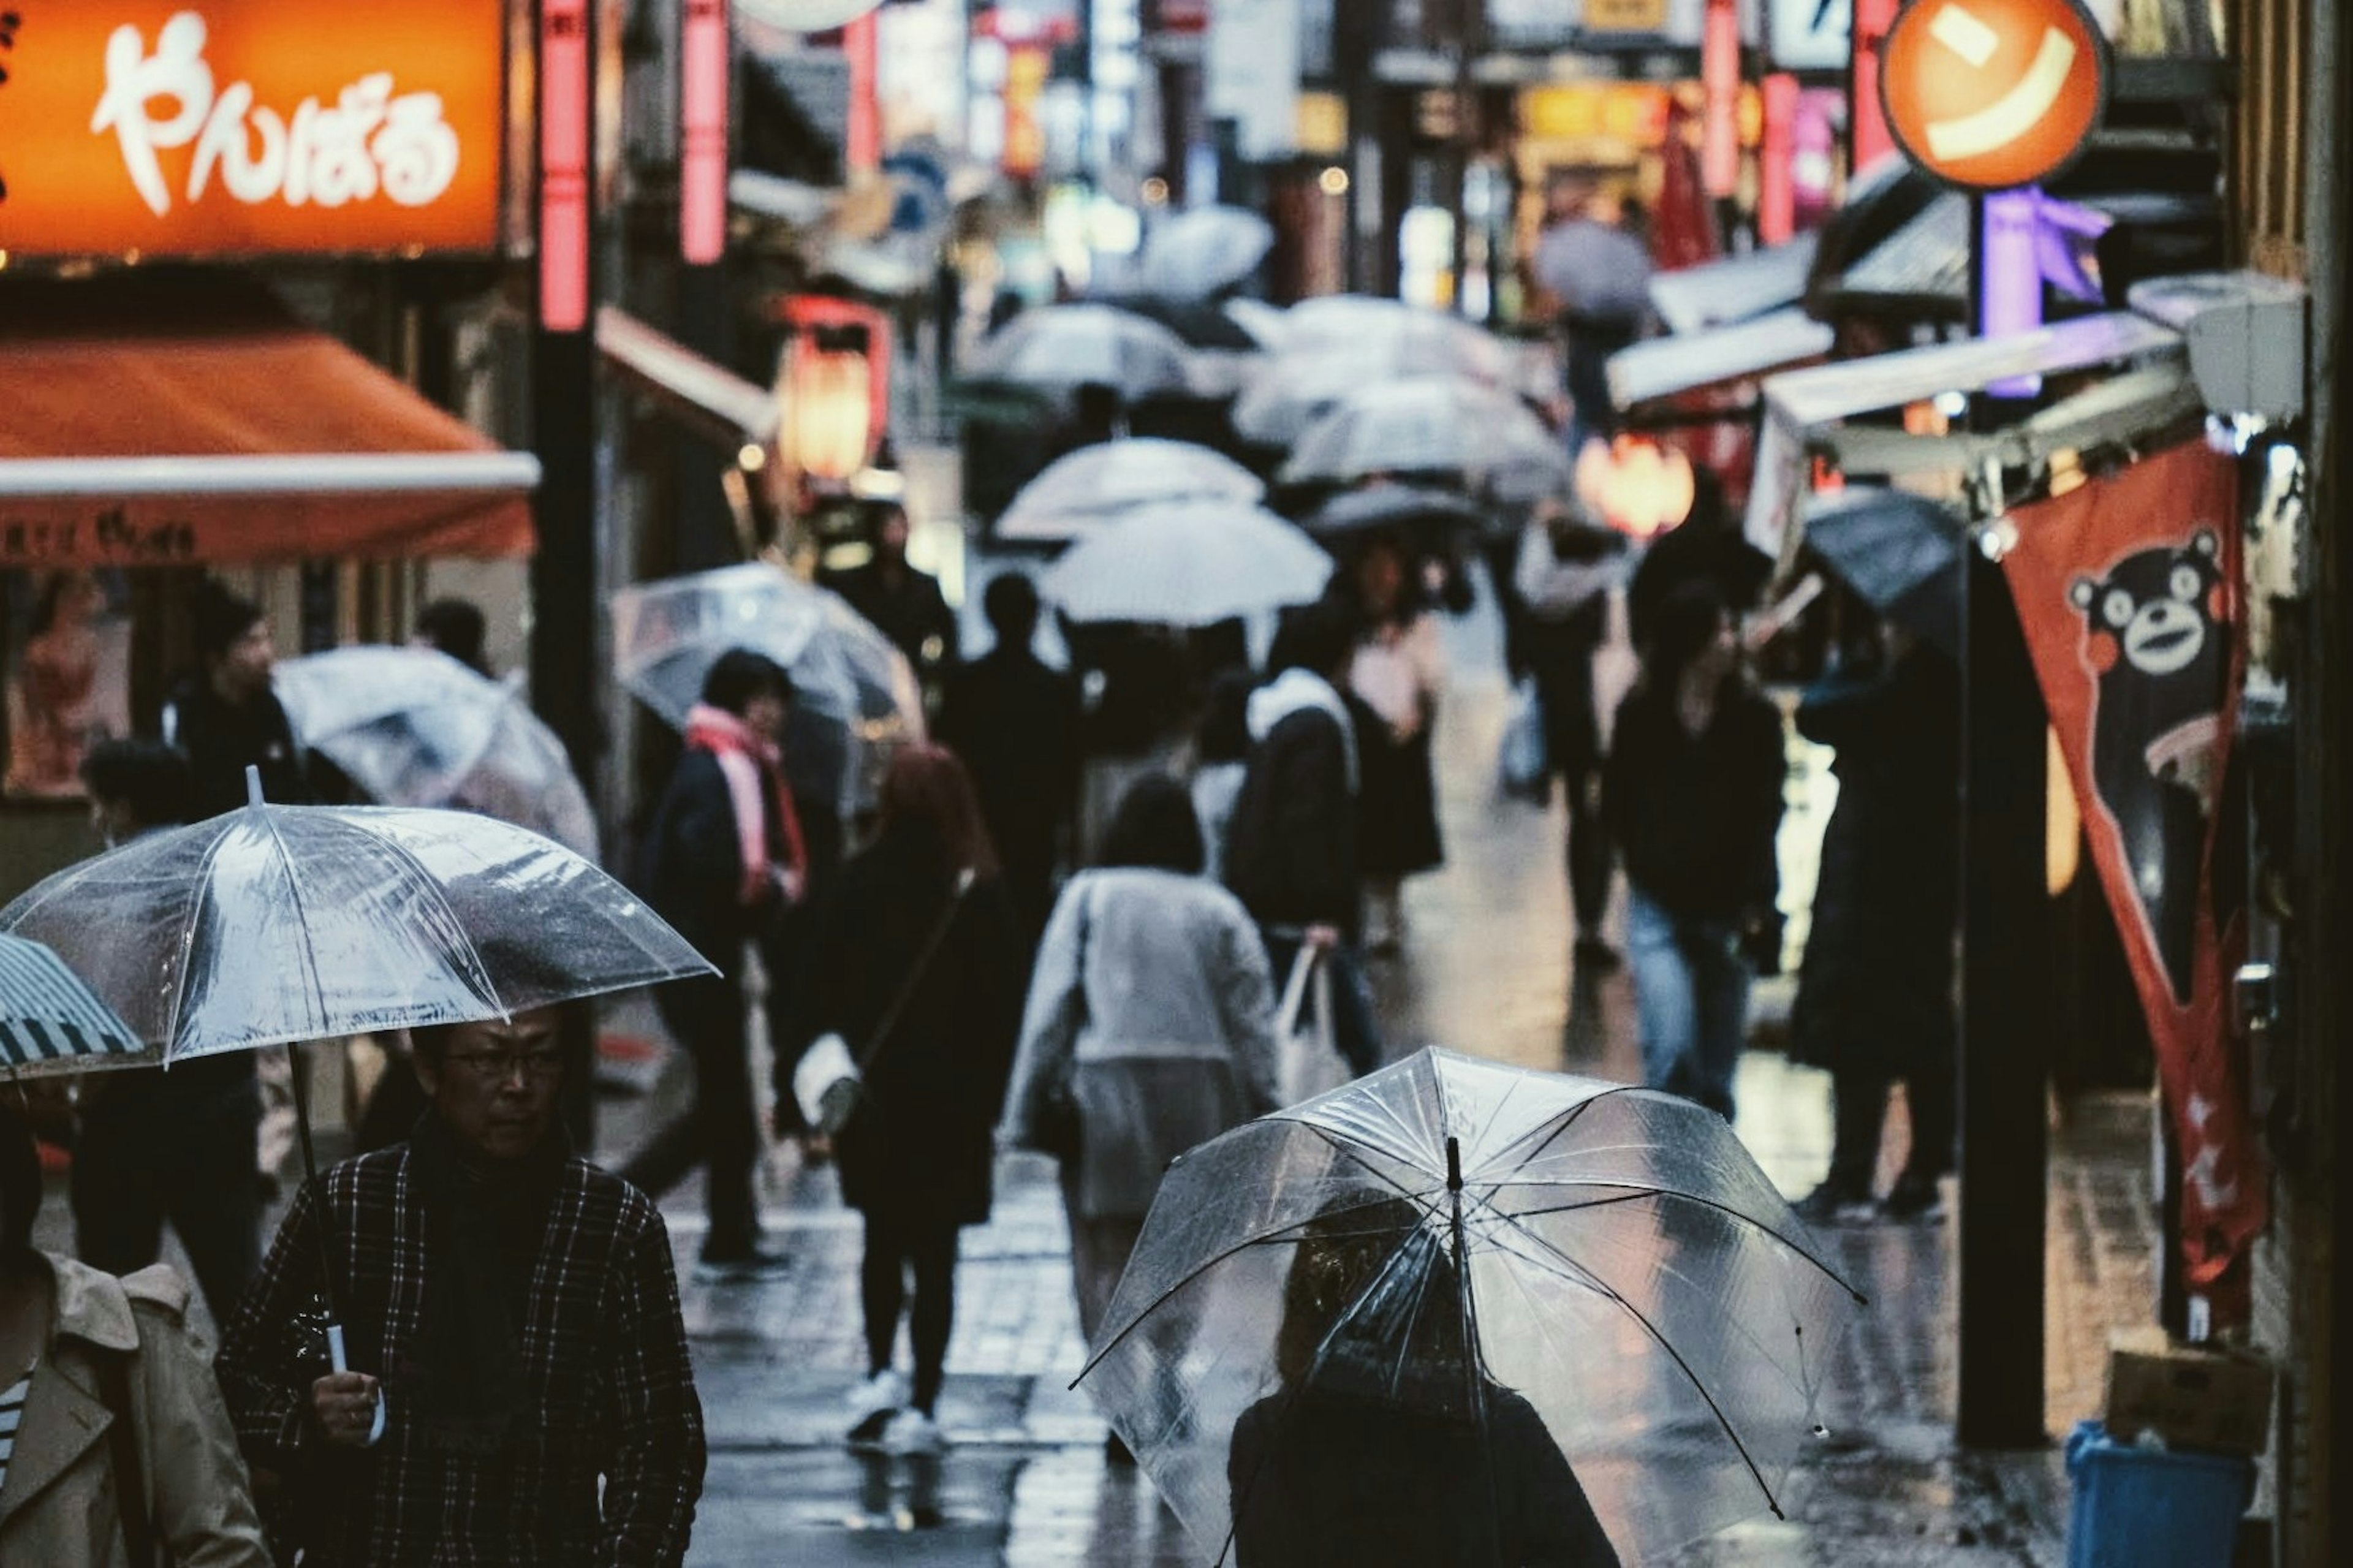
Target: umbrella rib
{"x": 294, "y": 888}
{"x": 1266, "y": 1239}
{"x": 1630, "y": 1192}
{"x": 426, "y": 881}
{"x": 1674, "y": 1355}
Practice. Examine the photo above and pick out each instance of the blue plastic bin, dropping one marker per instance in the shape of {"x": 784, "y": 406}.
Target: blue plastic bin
{"x": 2140, "y": 1508}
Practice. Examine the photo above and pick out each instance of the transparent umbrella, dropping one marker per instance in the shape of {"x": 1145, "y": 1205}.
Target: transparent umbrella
{"x": 52, "y": 1023}
{"x": 1062, "y": 347}
{"x": 1194, "y": 253}
{"x": 1313, "y": 372}
{"x": 1428, "y": 343}
{"x": 1462, "y": 1312}
{"x": 1429, "y": 424}
{"x": 411, "y": 726}
{"x": 1096, "y": 484}
{"x": 1187, "y": 563}
{"x": 667, "y": 635}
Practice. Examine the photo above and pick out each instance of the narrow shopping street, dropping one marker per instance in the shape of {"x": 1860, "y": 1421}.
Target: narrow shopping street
{"x": 1485, "y": 971}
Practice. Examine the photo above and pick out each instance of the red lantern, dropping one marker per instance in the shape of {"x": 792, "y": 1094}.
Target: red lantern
{"x": 833, "y": 389}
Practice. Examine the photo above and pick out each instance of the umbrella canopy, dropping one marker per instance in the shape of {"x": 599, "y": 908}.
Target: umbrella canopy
{"x": 275, "y": 924}
{"x": 1195, "y": 254}
{"x": 412, "y": 726}
{"x": 1901, "y": 551}
{"x": 1424, "y": 342}
{"x": 1197, "y": 324}
{"x": 1427, "y": 1311}
{"x": 1096, "y": 484}
{"x": 1060, "y": 347}
{"x": 1416, "y": 510}
{"x": 1433, "y": 425}
{"x": 1187, "y": 563}
{"x": 52, "y": 1023}
{"x": 1267, "y": 324}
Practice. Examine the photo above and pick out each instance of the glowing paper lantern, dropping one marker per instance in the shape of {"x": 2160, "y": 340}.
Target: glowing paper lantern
{"x": 1635, "y": 486}
{"x": 832, "y": 389}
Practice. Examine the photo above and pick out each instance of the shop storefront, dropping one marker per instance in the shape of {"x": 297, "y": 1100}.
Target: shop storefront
{"x": 197, "y": 224}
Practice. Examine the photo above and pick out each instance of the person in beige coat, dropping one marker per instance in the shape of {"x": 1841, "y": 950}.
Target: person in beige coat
{"x": 80, "y": 1350}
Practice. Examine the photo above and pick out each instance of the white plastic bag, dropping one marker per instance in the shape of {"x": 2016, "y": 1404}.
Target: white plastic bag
{"x": 1616, "y": 667}
{"x": 1522, "y": 764}
{"x": 1308, "y": 1062}
{"x": 827, "y": 1084}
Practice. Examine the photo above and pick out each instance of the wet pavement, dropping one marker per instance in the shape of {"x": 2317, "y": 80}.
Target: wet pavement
{"x": 1484, "y": 969}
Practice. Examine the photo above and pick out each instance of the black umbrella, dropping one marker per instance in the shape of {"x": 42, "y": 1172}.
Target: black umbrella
{"x": 1901, "y": 551}
{"x": 1414, "y": 509}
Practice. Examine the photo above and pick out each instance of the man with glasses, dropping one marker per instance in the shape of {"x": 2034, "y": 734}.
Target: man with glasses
{"x": 518, "y": 1390}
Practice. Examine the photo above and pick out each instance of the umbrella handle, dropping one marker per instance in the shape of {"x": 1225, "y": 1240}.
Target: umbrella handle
{"x": 337, "y": 1359}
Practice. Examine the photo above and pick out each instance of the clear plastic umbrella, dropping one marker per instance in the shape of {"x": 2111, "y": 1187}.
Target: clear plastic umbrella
{"x": 1097, "y": 484}
{"x": 1433, "y": 425}
{"x": 1062, "y": 347}
{"x": 1436, "y": 1313}
{"x": 1194, "y": 253}
{"x": 1427, "y": 342}
{"x": 667, "y": 635}
{"x": 1187, "y": 563}
{"x": 1313, "y": 372}
{"x": 52, "y": 1023}
{"x": 411, "y": 726}
{"x": 274, "y": 924}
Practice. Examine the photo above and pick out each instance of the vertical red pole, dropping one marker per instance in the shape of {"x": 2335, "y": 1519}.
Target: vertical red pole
{"x": 1868, "y": 139}
{"x": 563, "y": 173}
{"x": 859, "y": 41}
{"x": 1776, "y": 187}
{"x": 704, "y": 83}
{"x": 1719, "y": 70}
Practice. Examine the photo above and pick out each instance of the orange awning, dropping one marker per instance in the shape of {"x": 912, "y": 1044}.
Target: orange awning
{"x": 170, "y": 419}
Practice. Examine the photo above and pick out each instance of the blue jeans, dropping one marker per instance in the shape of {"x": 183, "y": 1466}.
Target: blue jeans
{"x": 1691, "y": 989}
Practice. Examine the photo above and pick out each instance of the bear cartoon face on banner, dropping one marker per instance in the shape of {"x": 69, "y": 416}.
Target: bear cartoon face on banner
{"x": 2159, "y": 646}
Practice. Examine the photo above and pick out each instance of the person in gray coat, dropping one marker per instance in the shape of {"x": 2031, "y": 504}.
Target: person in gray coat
{"x": 1153, "y": 1005}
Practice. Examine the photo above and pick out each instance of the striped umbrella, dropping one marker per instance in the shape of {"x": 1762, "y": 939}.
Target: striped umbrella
{"x": 52, "y": 1023}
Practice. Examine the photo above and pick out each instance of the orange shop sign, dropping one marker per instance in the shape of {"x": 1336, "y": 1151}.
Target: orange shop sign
{"x": 195, "y": 128}
{"x": 1992, "y": 94}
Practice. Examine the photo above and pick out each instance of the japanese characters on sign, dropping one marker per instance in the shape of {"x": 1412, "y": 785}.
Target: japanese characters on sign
{"x": 243, "y": 127}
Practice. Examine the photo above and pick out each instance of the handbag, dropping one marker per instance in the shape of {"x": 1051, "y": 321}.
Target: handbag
{"x": 1523, "y": 767}
{"x": 829, "y": 1083}
{"x": 1307, "y": 1059}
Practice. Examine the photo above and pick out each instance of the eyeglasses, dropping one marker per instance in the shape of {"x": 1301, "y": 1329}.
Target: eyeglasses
{"x": 497, "y": 1067}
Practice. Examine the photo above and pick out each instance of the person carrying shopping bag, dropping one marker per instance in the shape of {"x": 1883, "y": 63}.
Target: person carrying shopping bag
{"x": 115, "y": 1445}
{"x": 1150, "y": 1021}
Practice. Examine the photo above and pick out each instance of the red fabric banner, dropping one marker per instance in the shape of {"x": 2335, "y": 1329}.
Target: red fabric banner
{"x": 2128, "y": 589}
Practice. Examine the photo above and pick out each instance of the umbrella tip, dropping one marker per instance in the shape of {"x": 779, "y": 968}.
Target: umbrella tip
{"x": 252, "y": 784}
{"x": 1453, "y": 1165}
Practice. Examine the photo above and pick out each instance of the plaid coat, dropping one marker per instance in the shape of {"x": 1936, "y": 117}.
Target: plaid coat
{"x": 606, "y": 1361}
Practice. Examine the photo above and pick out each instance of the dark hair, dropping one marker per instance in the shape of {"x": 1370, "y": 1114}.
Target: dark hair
{"x": 740, "y": 675}
{"x": 1225, "y": 721}
{"x": 458, "y": 628}
{"x": 431, "y": 1041}
{"x": 1010, "y": 603}
{"x": 1156, "y": 828}
{"x": 148, "y": 777}
{"x": 1685, "y": 622}
{"x": 1316, "y": 637}
{"x": 223, "y": 616}
{"x": 20, "y": 1186}
{"x": 927, "y": 788}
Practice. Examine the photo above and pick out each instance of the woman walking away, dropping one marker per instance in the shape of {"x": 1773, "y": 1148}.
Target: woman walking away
{"x": 114, "y": 1443}
{"x": 917, "y": 966}
{"x": 1398, "y": 670}
{"x": 1152, "y": 1017}
{"x": 1691, "y": 795}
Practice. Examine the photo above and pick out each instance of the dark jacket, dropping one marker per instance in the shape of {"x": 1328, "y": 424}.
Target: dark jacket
{"x": 222, "y": 739}
{"x": 1695, "y": 817}
{"x": 1290, "y": 848}
{"x": 1324, "y": 1481}
{"x": 921, "y": 1145}
{"x": 1877, "y": 985}
{"x": 694, "y": 865}
{"x": 1016, "y": 724}
{"x": 911, "y": 612}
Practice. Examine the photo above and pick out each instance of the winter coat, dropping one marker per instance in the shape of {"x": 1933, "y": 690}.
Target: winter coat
{"x": 1291, "y": 848}
{"x": 59, "y": 1508}
{"x": 910, "y": 610}
{"x": 694, "y": 865}
{"x": 1152, "y": 999}
{"x": 222, "y": 739}
{"x": 921, "y": 1146}
{"x": 1695, "y": 817}
{"x": 1016, "y": 724}
{"x": 1876, "y": 988}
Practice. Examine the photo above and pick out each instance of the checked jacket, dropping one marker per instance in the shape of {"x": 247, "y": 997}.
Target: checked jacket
{"x": 611, "y": 1393}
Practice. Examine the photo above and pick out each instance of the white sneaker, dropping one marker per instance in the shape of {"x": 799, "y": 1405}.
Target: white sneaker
{"x": 872, "y": 1406}
{"x": 912, "y": 1432}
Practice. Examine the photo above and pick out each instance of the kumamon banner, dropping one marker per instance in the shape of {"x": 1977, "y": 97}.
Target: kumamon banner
{"x": 2129, "y": 591}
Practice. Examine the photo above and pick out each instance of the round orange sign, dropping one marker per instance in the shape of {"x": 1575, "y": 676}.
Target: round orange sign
{"x": 1993, "y": 93}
